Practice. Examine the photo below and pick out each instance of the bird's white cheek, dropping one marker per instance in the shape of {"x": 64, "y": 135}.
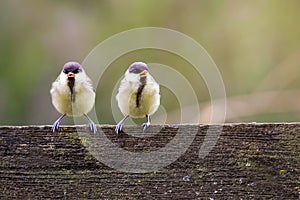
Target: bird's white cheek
{"x": 132, "y": 77}
{"x": 63, "y": 77}
{"x": 80, "y": 77}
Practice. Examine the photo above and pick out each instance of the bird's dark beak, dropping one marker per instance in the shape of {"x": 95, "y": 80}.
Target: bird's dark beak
{"x": 71, "y": 75}
{"x": 143, "y": 73}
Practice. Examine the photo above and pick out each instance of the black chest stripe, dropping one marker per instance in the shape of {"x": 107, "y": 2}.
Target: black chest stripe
{"x": 140, "y": 90}
{"x": 71, "y": 83}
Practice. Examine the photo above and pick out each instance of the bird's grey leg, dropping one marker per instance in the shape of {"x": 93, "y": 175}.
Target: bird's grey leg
{"x": 57, "y": 123}
{"x": 147, "y": 124}
{"x": 119, "y": 126}
{"x": 92, "y": 125}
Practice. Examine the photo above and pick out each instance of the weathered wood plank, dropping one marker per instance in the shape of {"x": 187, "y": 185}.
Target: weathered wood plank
{"x": 249, "y": 161}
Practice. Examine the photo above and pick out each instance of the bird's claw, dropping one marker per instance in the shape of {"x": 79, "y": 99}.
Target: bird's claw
{"x": 118, "y": 128}
{"x": 145, "y": 126}
{"x": 55, "y": 126}
{"x": 93, "y": 127}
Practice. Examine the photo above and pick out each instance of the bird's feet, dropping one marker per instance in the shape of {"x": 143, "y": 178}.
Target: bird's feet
{"x": 119, "y": 126}
{"x": 56, "y": 124}
{"x": 145, "y": 126}
{"x": 92, "y": 125}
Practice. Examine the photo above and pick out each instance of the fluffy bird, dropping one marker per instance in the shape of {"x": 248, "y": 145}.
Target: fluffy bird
{"x": 138, "y": 95}
{"x": 73, "y": 94}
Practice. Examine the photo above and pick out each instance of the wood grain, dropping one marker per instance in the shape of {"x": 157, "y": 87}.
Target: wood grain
{"x": 249, "y": 161}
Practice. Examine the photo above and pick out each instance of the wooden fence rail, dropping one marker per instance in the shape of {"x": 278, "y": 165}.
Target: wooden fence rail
{"x": 248, "y": 161}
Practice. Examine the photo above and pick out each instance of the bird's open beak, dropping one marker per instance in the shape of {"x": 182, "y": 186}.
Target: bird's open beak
{"x": 143, "y": 73}
{"x": 71, "y": 75}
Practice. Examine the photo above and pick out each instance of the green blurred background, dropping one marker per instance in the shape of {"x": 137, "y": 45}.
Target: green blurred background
{"x": 255, "y": 44}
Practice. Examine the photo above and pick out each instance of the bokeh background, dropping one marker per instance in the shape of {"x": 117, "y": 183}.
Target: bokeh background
{"x": 255, "y": 44}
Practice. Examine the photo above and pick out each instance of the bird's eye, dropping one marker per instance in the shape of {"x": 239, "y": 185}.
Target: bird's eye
{"x": 76, "y": 71}
{"x": 136, "y": 71}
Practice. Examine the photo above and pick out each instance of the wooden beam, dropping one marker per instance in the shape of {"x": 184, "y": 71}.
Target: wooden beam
{"x": 248, "y": 161}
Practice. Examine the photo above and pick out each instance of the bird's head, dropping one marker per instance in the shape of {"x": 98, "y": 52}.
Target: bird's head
{"x": 72, "y": 71}
{"x": 136, "y": 71}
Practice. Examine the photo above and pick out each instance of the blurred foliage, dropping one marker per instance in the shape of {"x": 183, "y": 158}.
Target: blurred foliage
{"x": 255, "y": 44}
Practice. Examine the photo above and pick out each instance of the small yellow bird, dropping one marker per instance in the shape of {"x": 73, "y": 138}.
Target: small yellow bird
{"x": 138, "y": 95}
{"x": 73, "y": 94}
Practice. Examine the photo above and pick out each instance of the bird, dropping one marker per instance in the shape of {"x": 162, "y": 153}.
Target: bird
{"x": 72, "y": 94}
{"x": 138, "y": 95}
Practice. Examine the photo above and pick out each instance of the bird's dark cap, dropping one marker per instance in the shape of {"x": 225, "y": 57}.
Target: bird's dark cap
{"x": 73, "y": 67}
{"x": 137, "y": 67}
